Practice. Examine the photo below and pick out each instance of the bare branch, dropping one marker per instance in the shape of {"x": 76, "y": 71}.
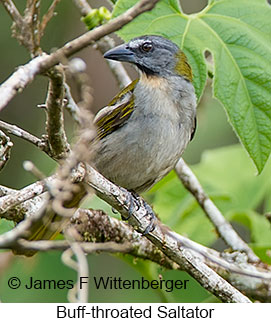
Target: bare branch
{"x": 97, "y": 226}
{"x": 226, "y": 231}
{"x": 25, "y": 74}
{"x": 13, "y": 12}
{"x": 18, "y": 212}
{"x": 83, "y": 6}
{"x": 25, "y": 28}
{"x": 11, "y": 237}
{"x": 66, "y": 258}
{"x": 48, "y": 16}
{"x": 104, "y": 45}
{"x": 54, "y": 107}
{"x": 20, "y": 79}
{"x": 87, "y": 247}
{"x": 12, "y": 200}
{"x": 81, "y": 266}
{"x": 71, "y": 105}
{"x": 117, "y": 68}
{"x": 163, "y": 239}
{"x": 6, "y": 190}
{"x": 32, "y": 22}
{"x": 16, "y": 131}
{"x": 5, "y": 146}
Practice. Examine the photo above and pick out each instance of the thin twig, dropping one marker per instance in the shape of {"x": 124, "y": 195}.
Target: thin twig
{"x": 13, "y": 12}
{"x": 82, "y": 272}
{"x": 104, "y": 45}
{"x": 25, "y": 28}
{"x": 32, "y": 21}
{"x": 88, "y": 247}
{"x": 81, "y": 266}
{"x": 117, "y": 68}
{"x": 83, "y": 6}
{"x": 71, "y": 105}
{"x": 24, "y": 75}
{"x": 16, "y": 131}
{"x": 67, "y": 260}
{"x": 48, "y": 16}
{"x": 226, "y": 231}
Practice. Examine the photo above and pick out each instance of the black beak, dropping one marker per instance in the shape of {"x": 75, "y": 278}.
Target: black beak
{"x": 121, "y": 53}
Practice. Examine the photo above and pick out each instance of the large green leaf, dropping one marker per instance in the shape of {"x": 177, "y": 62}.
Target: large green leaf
{"x": 235, "y": 193}
{"x": 238, "y": 34}
{"x": 228, "y": 170}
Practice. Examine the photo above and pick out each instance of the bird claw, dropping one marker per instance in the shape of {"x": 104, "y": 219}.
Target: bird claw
{"x": 134, "y": 205}
{"x": 151, "y": 225}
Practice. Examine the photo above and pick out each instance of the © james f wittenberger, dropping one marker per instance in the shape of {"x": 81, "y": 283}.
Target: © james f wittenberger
{"x": 101, "y": 282}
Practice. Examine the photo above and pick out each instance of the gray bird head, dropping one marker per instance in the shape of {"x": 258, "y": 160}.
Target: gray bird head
{"x": 153, "y": 55}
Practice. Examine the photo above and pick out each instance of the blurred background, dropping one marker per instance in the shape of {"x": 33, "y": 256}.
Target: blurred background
{"x": 213, "y": 131}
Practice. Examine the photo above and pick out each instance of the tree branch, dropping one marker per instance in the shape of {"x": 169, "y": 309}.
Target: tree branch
{"x": 47, "y": 17}
{"x": 87, "y": 247}
{"x": 25, "y": 74}
{"x": 54, "y": 107}
{"x": 71, "y": 105}
{"x": 16, "y": 131}
{"x": 83, "y": 7}
{"x": 32, "y": 23}
{"x": 97, "y": 226}
{"x": 226, "y": 231}
{"x": 25, "y": 28}
{"x": 121, "y": 200}
{"x": 12, "y": 200}
{"x": 104, "y": 45}
{"x": 13, "y": 12}
{"x": 161, "y": 237}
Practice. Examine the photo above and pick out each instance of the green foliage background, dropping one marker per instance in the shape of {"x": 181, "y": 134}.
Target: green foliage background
{"x": 238, "y": 34}
{"x": 239, "y": 41}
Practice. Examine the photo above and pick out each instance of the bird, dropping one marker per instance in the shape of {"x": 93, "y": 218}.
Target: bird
{"x": 144, "y": 130}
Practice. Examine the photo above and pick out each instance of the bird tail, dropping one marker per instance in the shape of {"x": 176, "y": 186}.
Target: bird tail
{"x": 50, "y": 224}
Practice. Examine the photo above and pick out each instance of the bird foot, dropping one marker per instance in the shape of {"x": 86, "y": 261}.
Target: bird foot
{"x": 133, "y": 204}
{"x": 152, "y": 224}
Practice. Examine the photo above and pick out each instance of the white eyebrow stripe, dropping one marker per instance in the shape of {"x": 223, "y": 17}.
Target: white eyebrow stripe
{"x": 136, "y": 43}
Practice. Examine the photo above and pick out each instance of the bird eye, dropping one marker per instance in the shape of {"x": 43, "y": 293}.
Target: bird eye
{"x": 146, "y": 47}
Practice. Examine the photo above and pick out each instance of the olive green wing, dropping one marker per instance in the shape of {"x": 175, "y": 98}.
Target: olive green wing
{"x": 117, "y": 112}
